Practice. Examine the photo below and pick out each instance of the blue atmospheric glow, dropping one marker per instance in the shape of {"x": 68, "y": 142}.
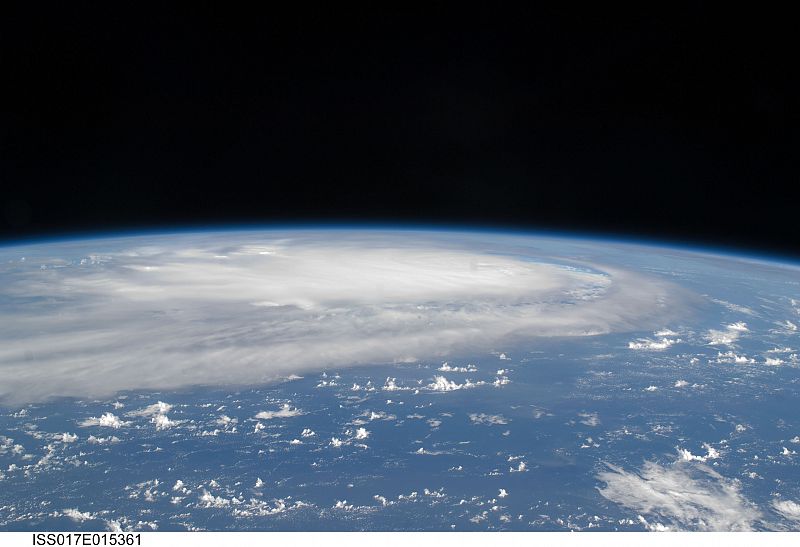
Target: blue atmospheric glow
{"x": 731, "y": 250}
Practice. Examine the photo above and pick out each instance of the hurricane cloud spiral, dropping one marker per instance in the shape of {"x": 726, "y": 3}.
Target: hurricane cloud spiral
{"x": 94, "y": 317}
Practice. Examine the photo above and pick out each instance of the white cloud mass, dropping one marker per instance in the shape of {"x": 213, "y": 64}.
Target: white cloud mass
{"x": 648, "y": 344}
{"x": 232, "y": 308}
{"x": 106, "y": 420}
{"x": 681, "y": 496}
{"x": 286, "y": 411}
{"x": 787, "y": 509}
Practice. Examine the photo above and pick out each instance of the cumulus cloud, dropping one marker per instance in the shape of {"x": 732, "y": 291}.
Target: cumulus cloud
{"x": 680, "y": 496}
{"x": 520, "y": 468}
{"x": 77, "y": 516}
{"x": 102, "y": 440}
{"x": 157, "y": 412}
{"x": 648, "y": 344}
{"x": 151, "y": 410}
{"x": 711, "y": 454}
{"x": 106, "y": 420}
{"x": 164, "y": 312}
{"x": 731, "y": 357}
{"x": 66, "y": 437}
{"x": 440, "y": 383}
{"x": 447, "y": 367}
{"x": 162, "y": 421}
{"x": 286, "y": 411}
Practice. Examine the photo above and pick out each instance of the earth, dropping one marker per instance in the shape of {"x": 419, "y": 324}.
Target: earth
{"x": 377, "y": 379}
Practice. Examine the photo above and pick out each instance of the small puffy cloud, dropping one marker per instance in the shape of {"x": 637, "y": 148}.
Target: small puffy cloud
{"x": 711, "y": 454}
{"x": 730, "y": 357}
{"x": 102, "y": 440}
{"x": 424, "y": 452}
{"x": 286, "y": 411}
{"x": 501, "y": 381}
{"x": 382, "y": 500}
{"x": 361, "y": 433}
{"x": 106, "y": 420}
{"x": 162, "y": 421}
{"x": 151, "y": 410}
{"x": 76, "y": 515}
{"x": 391, "y": 385}
{"x": 648, "y": 344}
{"x": 446, "y": 367}
{"x": 371, "y": 415}
{"x": 66, "y": 437}
{"x": 157, "y": 412}
{"x": 208, "y": 500}
{"x": 488, "y": 419}
{"x": 440, "y": 383}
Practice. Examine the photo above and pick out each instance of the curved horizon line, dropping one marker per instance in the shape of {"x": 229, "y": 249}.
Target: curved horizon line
{"x": 608, "y": 236}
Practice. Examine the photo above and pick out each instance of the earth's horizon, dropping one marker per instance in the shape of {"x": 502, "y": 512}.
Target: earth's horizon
{"x": 343, "y": 378}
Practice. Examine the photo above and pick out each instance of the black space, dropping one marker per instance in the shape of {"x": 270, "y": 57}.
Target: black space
{"x": 679, "y": 125}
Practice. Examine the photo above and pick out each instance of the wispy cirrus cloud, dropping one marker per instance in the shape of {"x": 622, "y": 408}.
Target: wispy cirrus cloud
{"x": 680, "y": 496}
